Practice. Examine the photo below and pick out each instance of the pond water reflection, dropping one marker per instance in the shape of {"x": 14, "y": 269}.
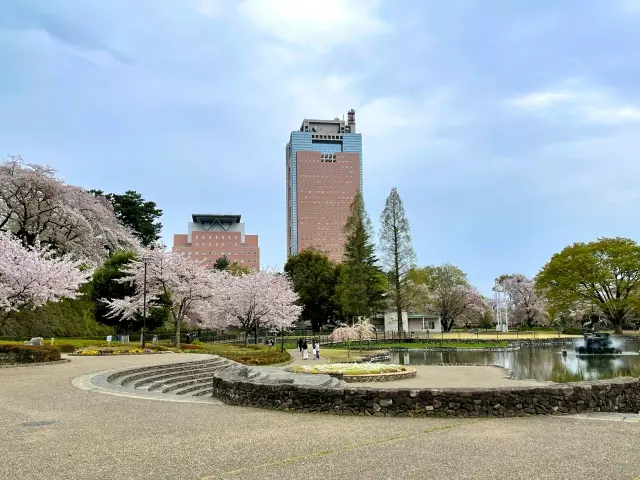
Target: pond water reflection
{"x": 539, "y": 363}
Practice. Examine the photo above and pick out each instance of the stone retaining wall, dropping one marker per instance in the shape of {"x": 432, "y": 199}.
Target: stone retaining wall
{"x": 619, "y": 395}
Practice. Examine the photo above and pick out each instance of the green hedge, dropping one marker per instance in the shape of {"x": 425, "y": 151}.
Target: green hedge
{"x": 28, "y": 354}
{"x": 69, "y": 318}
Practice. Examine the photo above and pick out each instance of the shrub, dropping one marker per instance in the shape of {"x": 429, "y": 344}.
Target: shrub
{"x": 251, "y": 354}
{"x": 28, "y": 354}
{"x": 188, "y": 346}
{"x": 65, "y": 347}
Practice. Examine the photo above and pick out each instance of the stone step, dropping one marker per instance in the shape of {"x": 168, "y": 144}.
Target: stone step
{"x": 188, "y": 383}
{"x": 129, "y": 371}
{"x": 173, "y": 381}
{"x": 135, "y": 374}
{"x": 199, "y": 385}
{"x": 167, "y": 371}
{"x": 202, "y": 393}
{"x": 167, "y": 376}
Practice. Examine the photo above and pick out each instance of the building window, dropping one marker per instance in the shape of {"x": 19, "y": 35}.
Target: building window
{"x": 196, "y": 243}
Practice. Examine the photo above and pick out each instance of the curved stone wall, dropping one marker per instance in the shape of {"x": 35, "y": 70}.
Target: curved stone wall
{"x": 618, "y": 395}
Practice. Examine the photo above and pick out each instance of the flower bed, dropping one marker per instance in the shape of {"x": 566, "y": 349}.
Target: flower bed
{"x": 94, "y": 352}
{"x": 349, "y": 368}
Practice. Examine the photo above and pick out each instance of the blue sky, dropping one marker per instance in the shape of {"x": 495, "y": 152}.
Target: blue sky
{"x": 510, "y": 129}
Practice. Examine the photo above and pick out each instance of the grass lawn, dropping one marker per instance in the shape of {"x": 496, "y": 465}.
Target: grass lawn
{"x": 342, "y": 354}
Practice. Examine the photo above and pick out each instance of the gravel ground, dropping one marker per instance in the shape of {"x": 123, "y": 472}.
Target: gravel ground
{"x": 95, "y": 436}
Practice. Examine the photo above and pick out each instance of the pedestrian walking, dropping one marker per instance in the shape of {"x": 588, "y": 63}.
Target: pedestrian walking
{"x": 300, "y": 345}
{"x": 305, "y": 352}
{"x": 318, "y": 350}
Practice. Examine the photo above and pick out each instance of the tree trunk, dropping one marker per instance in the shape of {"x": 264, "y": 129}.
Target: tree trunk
{"x": 281, "y": 341}
{"x": 178, "y": 334}
{"x": 247, "y": 331}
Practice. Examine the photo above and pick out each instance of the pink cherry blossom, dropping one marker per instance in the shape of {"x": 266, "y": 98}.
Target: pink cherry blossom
{"x": 456, "y": 304}
{"x": 188, "y": 284}
{"x": 360, "y": 331}
{"x": 257, "y": 300}
{"x": 37, "y": 206}
{"x": 527, "y": 305}
{"x": 32, "y": 276}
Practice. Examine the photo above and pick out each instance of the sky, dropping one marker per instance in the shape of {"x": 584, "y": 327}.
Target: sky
{"x": 511, "y": 129}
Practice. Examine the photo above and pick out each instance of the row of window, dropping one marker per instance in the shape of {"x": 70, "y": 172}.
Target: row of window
{"x": 203, "y": 237}
{"x": 222, "y": 244}
{"x": 228, "y": 254}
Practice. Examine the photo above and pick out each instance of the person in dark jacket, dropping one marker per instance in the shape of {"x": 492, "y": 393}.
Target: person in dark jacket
{"x": 300, "y": 345}
{"x": 305, "y": 351}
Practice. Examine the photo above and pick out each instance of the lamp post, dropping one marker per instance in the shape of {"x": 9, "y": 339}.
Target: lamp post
{"x": 145, "y": 260}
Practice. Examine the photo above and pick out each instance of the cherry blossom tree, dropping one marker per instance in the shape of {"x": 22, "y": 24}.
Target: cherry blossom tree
{"x": 258, "y": 300}
{"x": 527, "y": 305}
{"x": 35, "y": 206}
{"x": 32, "y": 276}
{"x": 358, "y": 332}
{"x": 344, "y": 334}
{"x": 186, "y": 283}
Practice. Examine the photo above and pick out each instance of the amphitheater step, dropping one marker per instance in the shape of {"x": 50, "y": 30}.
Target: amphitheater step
{"x": 162, "y": 377}
{"x": 200, "y": 384}
{"x": 135, "y": 374}
{"x": 159, "y": 383}
{"x": 129, "y": 371}
{"x": 202, "y": 393}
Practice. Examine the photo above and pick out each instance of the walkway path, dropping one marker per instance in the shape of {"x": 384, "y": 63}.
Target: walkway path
{"x": 53, "y": 430}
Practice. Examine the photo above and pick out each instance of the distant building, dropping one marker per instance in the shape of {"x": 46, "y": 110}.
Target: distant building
{"x": 412, "y": 322}
{"x": 323, "y": 174}
{"x": 211, "y": 236}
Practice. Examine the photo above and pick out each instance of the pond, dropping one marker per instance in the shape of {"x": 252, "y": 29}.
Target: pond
{"x": 539, "y": 363}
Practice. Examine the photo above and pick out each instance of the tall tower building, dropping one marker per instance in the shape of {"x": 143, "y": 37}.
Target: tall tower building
{"x": 324, "y": 172}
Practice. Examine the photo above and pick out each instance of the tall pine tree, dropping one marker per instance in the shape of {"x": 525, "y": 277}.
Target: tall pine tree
{"x": 398, "y": 256}
{"x": 361, "y": 284}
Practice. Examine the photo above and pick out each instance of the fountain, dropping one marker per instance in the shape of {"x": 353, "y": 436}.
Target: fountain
{"x": 597, "y": 343}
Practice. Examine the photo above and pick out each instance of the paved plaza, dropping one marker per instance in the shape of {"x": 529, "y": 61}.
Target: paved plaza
{"x": 55, "y": 430}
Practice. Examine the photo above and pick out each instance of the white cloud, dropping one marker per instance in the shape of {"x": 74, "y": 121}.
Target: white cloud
{"x": 543, "y": 99}
{"x": 586, "y": 174}
{"x": 319, "y": 26}
{"x": 580, "y": 103}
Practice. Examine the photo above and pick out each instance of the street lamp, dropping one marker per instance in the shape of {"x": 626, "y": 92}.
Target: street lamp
{"x": 145, "y": 261}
